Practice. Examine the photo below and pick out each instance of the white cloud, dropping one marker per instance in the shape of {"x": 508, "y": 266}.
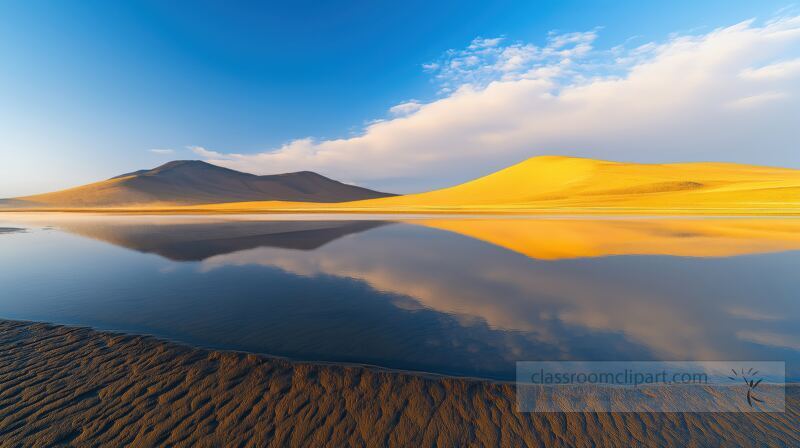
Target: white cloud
{"x": 483, "y": 43}
{"x": 779, "y": 70}
{"x": 161, "y": 151}
{"x": 403, "y": 109}
{"x": 485, "y": 60}
{"x": 757, "y": 100}
{"x": 203, "y": 152}
{"x": 690, "y": 97}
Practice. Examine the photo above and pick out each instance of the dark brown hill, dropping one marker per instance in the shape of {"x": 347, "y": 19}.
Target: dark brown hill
{"x": 186, "y": 182}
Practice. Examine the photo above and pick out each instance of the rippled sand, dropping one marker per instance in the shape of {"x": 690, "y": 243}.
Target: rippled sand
{"x": 78, "y": 387}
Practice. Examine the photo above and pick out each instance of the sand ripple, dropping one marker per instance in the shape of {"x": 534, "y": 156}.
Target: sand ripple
{"x": 78, "y": 387}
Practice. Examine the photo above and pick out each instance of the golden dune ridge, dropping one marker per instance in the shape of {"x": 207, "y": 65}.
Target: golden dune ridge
{"x": 553, "y": 239}
{"x": 558, "y": 184}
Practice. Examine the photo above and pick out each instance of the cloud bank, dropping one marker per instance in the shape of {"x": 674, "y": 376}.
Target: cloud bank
{"x": 730, "y": 94}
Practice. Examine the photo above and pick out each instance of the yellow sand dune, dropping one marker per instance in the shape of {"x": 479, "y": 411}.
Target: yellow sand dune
{"x": 576, "y": 185}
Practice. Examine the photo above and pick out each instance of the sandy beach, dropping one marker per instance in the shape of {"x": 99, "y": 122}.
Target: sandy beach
{"x": 66, "y": 386}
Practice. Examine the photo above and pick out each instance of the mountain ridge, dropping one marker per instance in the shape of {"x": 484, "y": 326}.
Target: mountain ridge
{"x": 189, "y": 182}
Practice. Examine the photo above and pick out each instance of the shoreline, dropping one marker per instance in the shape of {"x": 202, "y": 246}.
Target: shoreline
{"x": 621, "y": 212}
{"x": 74, "y": 385}
{"x": 267, "y": 356}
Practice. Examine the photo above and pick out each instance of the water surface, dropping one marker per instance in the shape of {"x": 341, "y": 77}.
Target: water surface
{"x": 451, "y": 295}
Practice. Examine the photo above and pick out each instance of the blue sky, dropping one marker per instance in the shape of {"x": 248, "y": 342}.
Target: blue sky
{"x": 88, "y": 88}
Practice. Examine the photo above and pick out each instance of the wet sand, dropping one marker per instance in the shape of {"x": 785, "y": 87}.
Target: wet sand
{"x": 66, "y": 386}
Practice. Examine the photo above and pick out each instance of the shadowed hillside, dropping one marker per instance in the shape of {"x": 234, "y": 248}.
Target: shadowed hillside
{"x": 194, "y": 182}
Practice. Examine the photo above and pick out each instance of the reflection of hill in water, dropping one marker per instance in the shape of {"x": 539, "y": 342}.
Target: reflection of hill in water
{"x": 194, "y": 241}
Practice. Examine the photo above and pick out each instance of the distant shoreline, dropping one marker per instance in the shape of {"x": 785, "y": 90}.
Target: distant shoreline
{"x": 74, "y": 385}
{"x": 199, "y": 210}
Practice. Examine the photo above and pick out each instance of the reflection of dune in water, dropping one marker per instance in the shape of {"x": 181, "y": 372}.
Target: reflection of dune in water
{"x": 674, "y": 308}
{"x": 188, "y": 238}
{"x": 552, "y": 239}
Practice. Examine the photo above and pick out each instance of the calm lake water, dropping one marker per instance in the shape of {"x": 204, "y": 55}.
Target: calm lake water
{"x": 464, "y": 296}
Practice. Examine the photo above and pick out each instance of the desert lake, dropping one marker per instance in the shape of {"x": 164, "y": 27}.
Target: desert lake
{"x": 455, "y": 295}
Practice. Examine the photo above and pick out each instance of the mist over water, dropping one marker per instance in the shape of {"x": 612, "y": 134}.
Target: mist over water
{"x": 462, "y": 296}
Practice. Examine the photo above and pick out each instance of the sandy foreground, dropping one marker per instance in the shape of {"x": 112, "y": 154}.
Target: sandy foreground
{"x": 66, "y": 386}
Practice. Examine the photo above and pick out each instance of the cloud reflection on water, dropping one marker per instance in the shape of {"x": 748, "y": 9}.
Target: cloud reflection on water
{"x": 466, "y": 295}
